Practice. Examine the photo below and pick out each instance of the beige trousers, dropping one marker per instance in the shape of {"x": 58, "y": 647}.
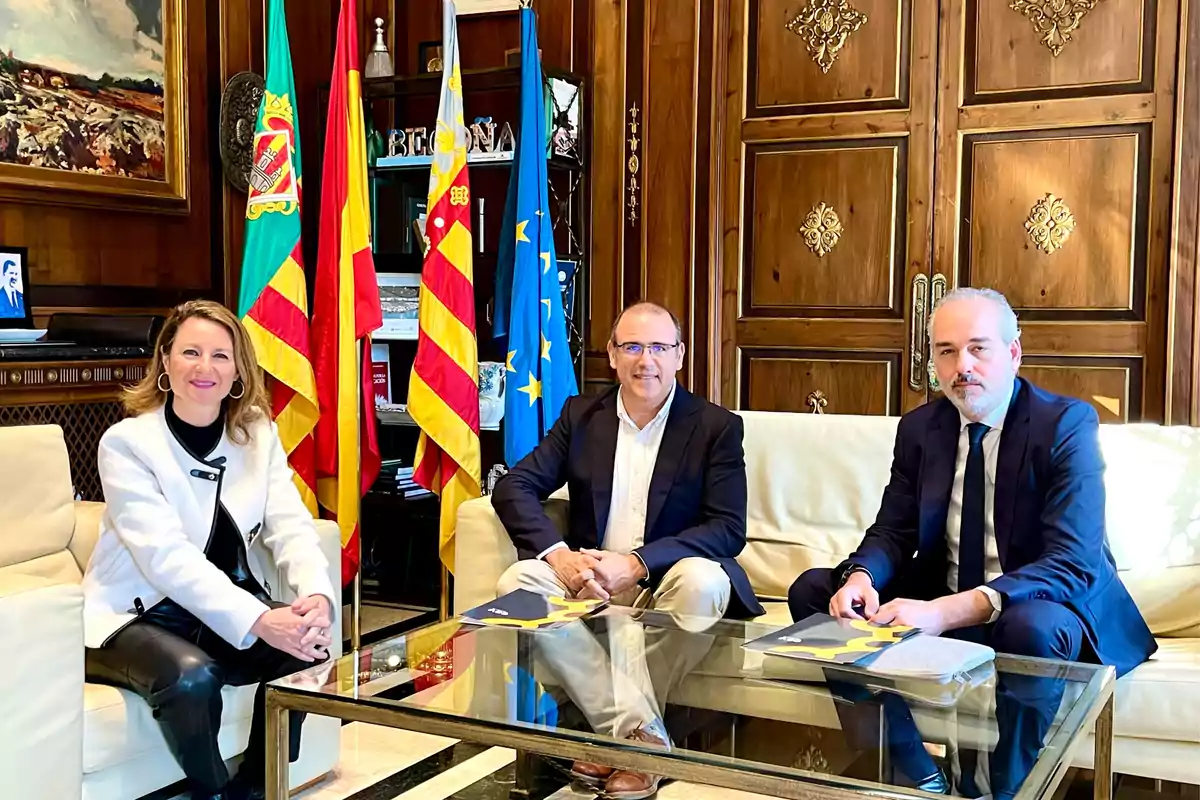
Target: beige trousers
{"x": 623, "y": 683}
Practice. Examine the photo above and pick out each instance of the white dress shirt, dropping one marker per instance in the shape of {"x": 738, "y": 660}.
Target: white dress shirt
{"x": 991, "y": 553}
{"x": 633, "y": 467}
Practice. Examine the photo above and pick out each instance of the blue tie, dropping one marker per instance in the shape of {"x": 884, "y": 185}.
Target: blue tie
{"x": 970, "y": 532}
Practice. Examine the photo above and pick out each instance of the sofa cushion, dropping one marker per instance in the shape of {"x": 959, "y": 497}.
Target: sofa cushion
{"x": 118, "y": 725}
{"x": 36, "y": 505}
{"x": 1161, "y": 698}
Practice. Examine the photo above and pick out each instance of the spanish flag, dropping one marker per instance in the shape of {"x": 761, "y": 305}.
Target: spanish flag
{"x": 443, "y": 389}
{"x": 273, "y": 302}
{"x": 345, "y": 304}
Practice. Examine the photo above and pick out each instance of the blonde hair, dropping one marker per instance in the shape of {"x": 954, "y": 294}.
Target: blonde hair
{"x": 242, "y": 411}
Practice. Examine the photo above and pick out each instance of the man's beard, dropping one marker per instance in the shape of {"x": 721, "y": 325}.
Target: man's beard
{"x": 973, "y": 405}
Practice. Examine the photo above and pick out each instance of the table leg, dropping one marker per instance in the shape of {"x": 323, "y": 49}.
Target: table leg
{"x": 277, "y": 747}
{"x": 1103, "y": 782}
{"x": 522, "y": 776}
{"x": 523, "y": 766}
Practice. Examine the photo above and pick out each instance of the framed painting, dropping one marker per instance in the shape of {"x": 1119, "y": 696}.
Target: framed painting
{"x": 92, "y": 103}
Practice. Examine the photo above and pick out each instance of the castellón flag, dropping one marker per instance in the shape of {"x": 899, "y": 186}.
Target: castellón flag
{"x": 345, "y": 304}
{"x": 443, "y": 389}
{"x": 273, "y": 301}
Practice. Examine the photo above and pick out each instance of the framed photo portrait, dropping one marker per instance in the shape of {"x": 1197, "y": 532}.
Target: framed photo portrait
{"x": 16, "y": 311}
{"x": 93, "y": 109}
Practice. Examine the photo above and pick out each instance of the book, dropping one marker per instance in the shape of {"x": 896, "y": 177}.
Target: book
{"x": 833, "y": 641}
{"x": 531, "y": 611}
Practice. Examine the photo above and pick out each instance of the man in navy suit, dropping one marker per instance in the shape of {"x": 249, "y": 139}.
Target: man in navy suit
{"x": 991, "y": 527}
{"x": 12, "y": 302}
{"x": 657, "y": 482}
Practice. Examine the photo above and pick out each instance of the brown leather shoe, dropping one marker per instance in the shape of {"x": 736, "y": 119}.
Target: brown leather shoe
{"x": 588, "y": 772}
{"x": 628, "y": 785}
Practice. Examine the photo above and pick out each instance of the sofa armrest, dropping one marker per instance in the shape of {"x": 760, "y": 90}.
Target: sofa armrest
{"x": 41, "y": 706}
{"x": 482, "y": 549}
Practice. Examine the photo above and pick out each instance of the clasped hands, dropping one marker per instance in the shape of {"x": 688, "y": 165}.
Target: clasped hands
{"x": 596, "y": 574}
{"x": 301, "y": 630}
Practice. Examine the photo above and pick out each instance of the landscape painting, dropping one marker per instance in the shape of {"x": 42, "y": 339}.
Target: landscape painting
{"x": 90, "y": 88}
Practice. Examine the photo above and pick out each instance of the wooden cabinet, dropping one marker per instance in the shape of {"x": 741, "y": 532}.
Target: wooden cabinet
{"x": 853, "y": 160}
{"x": 881, "y": 152}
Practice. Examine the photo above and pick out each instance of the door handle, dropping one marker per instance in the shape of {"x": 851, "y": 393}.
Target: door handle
{"x": 916, "y": 341}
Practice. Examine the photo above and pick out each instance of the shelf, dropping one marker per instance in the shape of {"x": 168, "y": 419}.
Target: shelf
{"x": 474, "y": 161}
{"x": 403, "y": 419}
{"x": 472, "y": 80}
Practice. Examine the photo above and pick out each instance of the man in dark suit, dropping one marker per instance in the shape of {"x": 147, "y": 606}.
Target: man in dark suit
{"x": 657, "y": 482}
{"x": 12, "y": 302}
{"x": 991, "y": 527}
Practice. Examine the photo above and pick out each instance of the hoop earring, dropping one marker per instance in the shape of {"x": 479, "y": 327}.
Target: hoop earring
{"x": 240, "y": 395}
{"x": 158, "y": 382}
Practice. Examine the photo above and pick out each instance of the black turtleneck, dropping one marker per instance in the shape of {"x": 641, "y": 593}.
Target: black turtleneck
{"x": 225, "y": 550}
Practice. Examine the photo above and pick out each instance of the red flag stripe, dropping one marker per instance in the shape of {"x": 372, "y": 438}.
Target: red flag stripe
{"x": 448, "y": 381}
{"x": 451, "y": 287}
{"x": 282, "y": 318}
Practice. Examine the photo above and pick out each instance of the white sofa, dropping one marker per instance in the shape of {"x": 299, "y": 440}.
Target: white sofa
{"x": 815, "y": 483}
{"x": 62, "y": 738}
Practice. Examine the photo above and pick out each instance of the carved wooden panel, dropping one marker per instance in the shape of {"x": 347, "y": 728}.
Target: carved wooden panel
{"x": 807, "y": 380}
{"x": 824, "y": 228}
{"x": 811, "y": 55}
{"x": 1056, "y": 221}
{"x": 1088, "y": 47}
{"x": 1111, "y": 386}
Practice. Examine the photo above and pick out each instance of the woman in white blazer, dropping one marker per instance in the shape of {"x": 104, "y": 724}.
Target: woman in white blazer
{"x": 175, "y": 603}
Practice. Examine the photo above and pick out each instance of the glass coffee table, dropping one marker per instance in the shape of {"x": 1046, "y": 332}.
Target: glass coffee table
{"x": 769, "y": 725}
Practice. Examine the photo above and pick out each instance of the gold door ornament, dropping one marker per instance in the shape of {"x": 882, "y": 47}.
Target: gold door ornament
{"x": 821, "y": 229}
{"x": 817, "y": 401}
{"x": 1050, "y": 224}
{"x": 825, "y": 25}
{"x": 1056, "y": 20}
{"x": 633, "y": 164}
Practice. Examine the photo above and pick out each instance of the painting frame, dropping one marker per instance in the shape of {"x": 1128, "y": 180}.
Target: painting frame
{"x": 47, "y": 185}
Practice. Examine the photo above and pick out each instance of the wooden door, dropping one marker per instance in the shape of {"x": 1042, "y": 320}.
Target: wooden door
{"x": 827, "y": 204}
{"x": 1054, "y": 185}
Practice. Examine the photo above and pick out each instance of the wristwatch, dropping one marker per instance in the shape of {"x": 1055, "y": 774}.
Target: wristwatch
{"x": 853, "y": 568}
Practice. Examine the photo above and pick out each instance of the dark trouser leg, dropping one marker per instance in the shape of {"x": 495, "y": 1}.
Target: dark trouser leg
{"x": 182, "y": 685}
{"x": 859, "y": 709}
{"x": 1026, "y": 705}
{"x": 260, "y": 663}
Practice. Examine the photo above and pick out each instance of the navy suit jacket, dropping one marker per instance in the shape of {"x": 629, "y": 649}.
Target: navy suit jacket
{"x": 8, "y": 310}
{"x": 697, "y": 500}
{"x": 1048, "y": 518}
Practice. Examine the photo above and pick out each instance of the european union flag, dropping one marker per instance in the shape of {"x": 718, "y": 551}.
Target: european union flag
{"x": 540, "y": 376}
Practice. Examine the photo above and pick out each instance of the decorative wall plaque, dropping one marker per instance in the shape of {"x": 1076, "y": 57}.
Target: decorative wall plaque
{"x": 821, "y": 229}
{"x": 825, "y": 25}
{"x": 1056, "y": 20}
{"x": 1050, "y": 224}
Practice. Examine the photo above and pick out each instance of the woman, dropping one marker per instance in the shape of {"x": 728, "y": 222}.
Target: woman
{"x": 175, "y": 605}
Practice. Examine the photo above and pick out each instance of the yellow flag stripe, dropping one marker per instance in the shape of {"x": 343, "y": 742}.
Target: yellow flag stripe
{"x": 456, "y": 247}
{"x": 284, "y": 363}
{"x": 460, "y": 489}
{"x": 289, "y": 281}
{"x": 453, "y": 435}
{"x": 296, "y": 422}
{"x": 447, "y": 331}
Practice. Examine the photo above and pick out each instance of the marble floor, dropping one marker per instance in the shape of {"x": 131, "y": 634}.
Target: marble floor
{"x": 379, "y": 763}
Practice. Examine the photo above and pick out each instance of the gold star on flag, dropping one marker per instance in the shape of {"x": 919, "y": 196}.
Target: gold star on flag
{"x": 546, "y": 258}
{"x": 534, "y": 389}
{"x": 521, "y": 237}
{"x": 508, "y": 367}
{"x": 547, "y": 304}
{"x": 545, "y": 348}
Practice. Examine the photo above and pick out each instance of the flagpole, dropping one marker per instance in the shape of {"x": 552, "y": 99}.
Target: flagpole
{"x": 356, "y": 592}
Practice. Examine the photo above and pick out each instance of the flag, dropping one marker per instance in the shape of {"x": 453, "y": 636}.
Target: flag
{"x": 443, "y": 388}
{"x": 539, "y": 373}
{"x": 345, "y": 304}
{"x": 273, "y": 302}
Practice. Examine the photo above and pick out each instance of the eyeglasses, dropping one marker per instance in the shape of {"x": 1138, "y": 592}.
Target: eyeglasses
{"x": 635, "y": 349}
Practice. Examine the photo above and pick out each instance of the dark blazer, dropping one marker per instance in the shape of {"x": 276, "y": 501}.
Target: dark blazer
{"x": 1048, "y": 516}
{"x": 697, "y": 501}
{"x": 8, "y": 310}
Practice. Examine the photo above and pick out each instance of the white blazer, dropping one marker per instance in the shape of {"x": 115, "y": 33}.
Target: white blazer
{"x": 161, "y": 509}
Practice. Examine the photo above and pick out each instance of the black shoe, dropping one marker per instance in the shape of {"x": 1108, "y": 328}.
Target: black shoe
{"x": 204, "y": 794}
{"x": 238, "y": 789}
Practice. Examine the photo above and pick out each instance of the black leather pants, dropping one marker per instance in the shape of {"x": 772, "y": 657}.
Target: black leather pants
{"x": 178, "y": 666}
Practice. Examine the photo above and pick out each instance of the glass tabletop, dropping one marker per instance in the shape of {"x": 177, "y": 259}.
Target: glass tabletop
{"x": 688, "y": 690}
